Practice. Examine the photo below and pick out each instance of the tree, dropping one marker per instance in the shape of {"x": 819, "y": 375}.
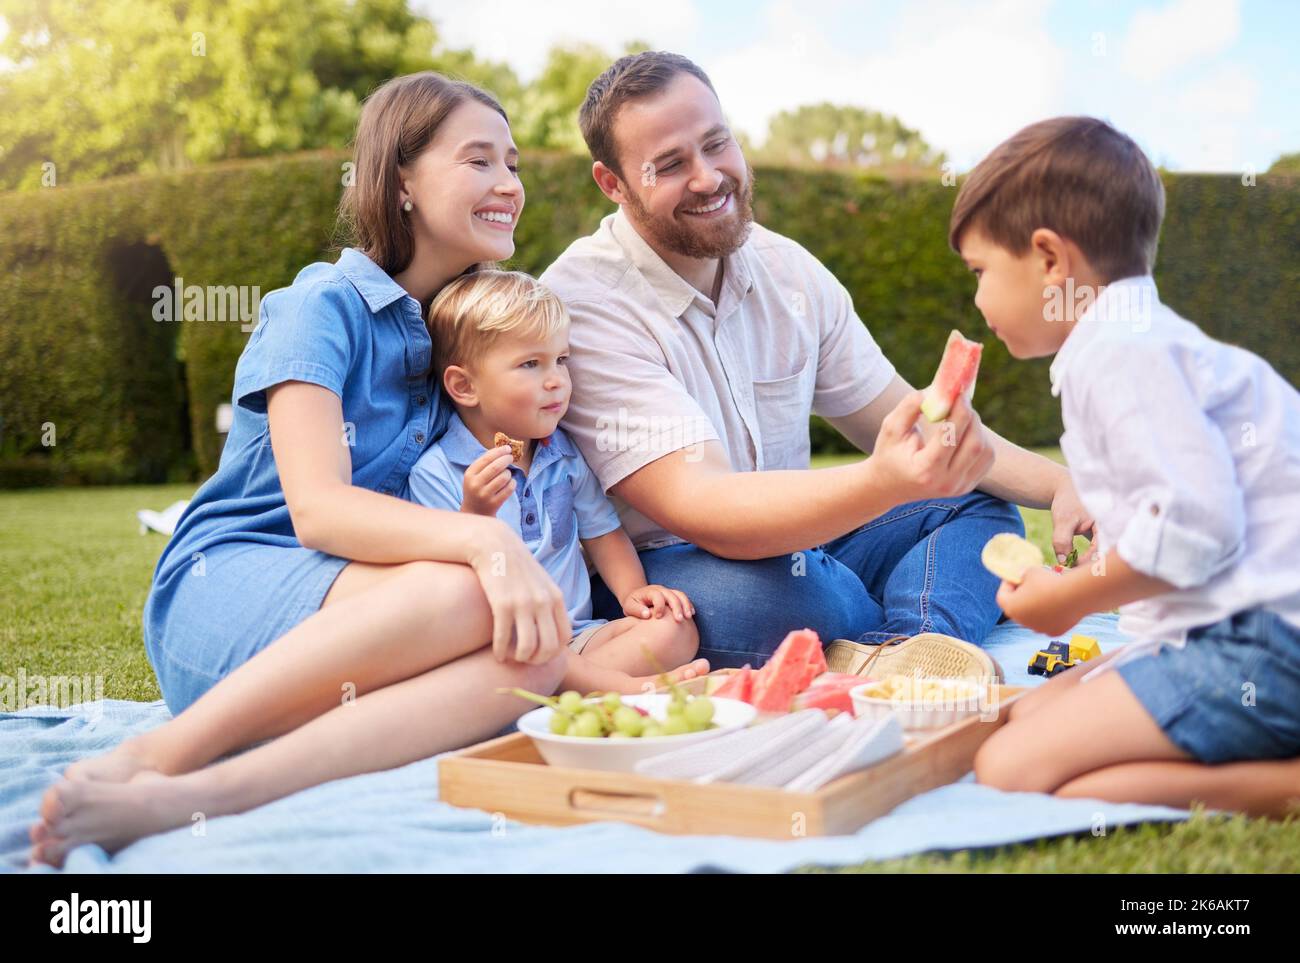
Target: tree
{"x": 547, "y": 112}
{"x": 830, "y": 135}
{"x": 1286, "y": 164}
{"x": 99, "y": 88}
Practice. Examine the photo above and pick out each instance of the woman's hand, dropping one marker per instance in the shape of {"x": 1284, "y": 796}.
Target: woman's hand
{"x": 1039, "y": 602}
{"x": 526, "y": 603}
{"x": 652, "y": 601}
{"x": 488, "y": 482}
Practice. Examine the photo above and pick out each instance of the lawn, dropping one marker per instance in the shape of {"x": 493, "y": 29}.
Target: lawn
{"x": 75, "y": 571}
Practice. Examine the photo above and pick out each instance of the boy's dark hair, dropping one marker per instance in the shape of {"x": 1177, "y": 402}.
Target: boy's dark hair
{"x": 1077, "y": 176}
{"x": 628, "y": 78}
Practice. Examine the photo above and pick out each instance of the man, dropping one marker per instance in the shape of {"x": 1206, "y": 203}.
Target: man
{"x": 700, "y": 344}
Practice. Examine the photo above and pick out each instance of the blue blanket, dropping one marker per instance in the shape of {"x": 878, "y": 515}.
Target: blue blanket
{"x": 393, "y": 822}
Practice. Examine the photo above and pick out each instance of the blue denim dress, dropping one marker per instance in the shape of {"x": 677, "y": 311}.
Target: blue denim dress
{"x": 234, "y": 577}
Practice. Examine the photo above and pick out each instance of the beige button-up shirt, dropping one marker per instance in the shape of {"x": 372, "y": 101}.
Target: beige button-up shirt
{"x": 658, "y": 367}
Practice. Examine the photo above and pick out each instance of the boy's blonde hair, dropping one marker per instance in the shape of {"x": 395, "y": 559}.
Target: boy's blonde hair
{"x": 475, "y": 310}
{"x": 1077, "y": 176}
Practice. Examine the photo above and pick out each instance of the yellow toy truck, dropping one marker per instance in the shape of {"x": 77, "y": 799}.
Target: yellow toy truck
{"x": 1060, "y": 656}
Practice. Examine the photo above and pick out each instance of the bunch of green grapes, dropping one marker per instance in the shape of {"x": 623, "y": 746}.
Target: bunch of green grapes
{"x": 608, "y": 717}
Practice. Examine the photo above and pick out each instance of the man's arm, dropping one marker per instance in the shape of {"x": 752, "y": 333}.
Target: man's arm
{"x": 695, "y": 494}
{"x": 1017, "y": 476}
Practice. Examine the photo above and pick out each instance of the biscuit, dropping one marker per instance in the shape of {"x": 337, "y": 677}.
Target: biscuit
{"x": 516, "y": 447}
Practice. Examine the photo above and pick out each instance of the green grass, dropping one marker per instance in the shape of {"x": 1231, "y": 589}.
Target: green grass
{"x": 74, "y": 573}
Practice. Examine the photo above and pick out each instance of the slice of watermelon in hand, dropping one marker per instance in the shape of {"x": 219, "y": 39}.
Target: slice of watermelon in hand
{"x": 956, "y": 376}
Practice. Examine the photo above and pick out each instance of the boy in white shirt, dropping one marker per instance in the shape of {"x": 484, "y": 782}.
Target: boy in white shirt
{"x": 1187, "y": 453}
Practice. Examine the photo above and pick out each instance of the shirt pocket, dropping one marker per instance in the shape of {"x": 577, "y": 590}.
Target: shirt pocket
{"x": 558, "y": 500}
{"x": 781, "y": 408}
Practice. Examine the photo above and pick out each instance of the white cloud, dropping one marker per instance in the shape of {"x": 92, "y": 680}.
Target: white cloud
{"x": 1229, "y": 90}
{"x": 1179, "y": 33}
{"x": 521, "y": 33}
{"x": 965, "y": 78}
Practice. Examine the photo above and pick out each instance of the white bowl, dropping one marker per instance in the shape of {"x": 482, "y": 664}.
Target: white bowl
{"x": 622, "y": 755}
{"x": 917, "y": 715}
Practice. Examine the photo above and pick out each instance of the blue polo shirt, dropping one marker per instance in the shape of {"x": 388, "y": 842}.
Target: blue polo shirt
{"x": 558, "y": 502}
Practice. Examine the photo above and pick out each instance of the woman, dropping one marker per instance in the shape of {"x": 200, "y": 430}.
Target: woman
{"x": 393, "y": 624}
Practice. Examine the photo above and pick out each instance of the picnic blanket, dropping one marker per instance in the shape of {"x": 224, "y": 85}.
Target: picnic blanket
{"x": 392, "y": 821}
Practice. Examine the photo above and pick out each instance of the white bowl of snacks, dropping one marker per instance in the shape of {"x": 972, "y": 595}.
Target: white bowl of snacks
{"x": 920, "y": 703}
{"x": 614, "y": 732}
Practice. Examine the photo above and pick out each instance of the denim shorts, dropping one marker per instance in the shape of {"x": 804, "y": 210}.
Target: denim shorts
{"x": 1231, "y": 693}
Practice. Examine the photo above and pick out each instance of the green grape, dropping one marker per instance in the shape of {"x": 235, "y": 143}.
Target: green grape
{"x": 651, "y": 730}
{"x": 676, "y": 725}
{"x": 588, "y": 726}
{"x": 559, "y": 723}
{"x": 571, "y": 701}
{"x": 612, "y": 701}
{"x": 676, "y": 708}
{"x": 699, "y": 712}
{"x": 628, "y": 721}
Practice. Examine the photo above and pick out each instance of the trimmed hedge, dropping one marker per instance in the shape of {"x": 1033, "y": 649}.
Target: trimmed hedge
{"x": 134, "y": 399}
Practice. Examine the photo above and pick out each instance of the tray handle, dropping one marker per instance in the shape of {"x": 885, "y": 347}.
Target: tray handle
{"x": 645, "y": 805}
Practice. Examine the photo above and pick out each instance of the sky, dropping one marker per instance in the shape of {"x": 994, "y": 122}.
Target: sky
{"x": 1201, "y": 85}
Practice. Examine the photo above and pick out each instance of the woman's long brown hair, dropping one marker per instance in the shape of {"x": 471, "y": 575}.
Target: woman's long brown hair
{"x": 398, "y": 121}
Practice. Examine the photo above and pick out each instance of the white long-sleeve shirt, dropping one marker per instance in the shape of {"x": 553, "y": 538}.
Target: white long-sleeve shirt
{"x": 1186, "y": 451}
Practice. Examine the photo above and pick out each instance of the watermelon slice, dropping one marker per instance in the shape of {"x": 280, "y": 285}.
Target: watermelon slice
{"x": 830, "y": 691}
{"x": 797, "y": 661}
{"x": 956, "y": 376}
{"x": 740, "y": 686}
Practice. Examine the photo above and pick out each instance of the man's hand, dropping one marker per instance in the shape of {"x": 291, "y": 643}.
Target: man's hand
{"x": 952, "y": 462}
{"x": 1039, "y": 602}
{"x": 1069, "y": 518}
{"x": 488, "y": 483}
{"x": 652, "y": 601}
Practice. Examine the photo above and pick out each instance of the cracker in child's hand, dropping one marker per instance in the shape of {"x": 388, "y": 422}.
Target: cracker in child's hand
{"x": 516, "y": 447}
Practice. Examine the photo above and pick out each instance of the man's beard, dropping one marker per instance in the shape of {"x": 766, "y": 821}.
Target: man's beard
{"x": 707, "y": 239}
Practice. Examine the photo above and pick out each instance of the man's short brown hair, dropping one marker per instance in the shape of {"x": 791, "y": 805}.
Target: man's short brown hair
{"x": 628, "y": 78}
{"x": 1077, "y": 176}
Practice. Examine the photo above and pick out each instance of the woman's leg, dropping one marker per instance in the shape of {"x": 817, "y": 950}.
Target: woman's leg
{"x": 383, "y": 624}
{"x": 441, "y": 709}
{"x": 379, "y": 630}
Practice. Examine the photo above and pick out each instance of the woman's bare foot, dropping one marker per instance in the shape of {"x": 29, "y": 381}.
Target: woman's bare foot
{"x": 115, "y": 814}
{"x": 117, "y": 765}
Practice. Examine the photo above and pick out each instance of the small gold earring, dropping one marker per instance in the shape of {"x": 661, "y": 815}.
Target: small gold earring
{"x": 407, "y": 206}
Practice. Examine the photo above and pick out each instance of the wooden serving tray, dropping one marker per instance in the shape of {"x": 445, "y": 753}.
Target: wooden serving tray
{"x": 507, "y": 776}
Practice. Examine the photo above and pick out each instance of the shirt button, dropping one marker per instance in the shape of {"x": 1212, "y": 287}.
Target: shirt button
{"x": 419, "y": 438}
{"x": 421, "y": 400}
{"x": 531, "y": 518}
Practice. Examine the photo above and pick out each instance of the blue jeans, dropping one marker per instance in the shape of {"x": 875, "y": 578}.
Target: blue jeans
{"x": 1198, "y": 693}
{"x": 914, "y": 569}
